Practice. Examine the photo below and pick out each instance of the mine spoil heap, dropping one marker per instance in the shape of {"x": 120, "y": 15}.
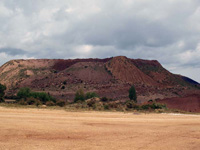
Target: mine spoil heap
{"x": 110, "y": 77}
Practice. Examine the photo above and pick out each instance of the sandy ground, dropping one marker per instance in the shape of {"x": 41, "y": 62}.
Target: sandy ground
{"x": 35, "y": 129}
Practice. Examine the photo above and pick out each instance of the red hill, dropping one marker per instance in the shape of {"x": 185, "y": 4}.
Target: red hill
{"x": 110, "y": 77}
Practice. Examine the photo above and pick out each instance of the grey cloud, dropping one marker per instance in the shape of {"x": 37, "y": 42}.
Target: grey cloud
{"x": 162, "y": 30}
{"x": 12, "y": 51}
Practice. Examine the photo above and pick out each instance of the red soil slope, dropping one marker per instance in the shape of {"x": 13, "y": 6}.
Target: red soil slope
{"x": 63, "y": 64}
{"x": 190, "y": 103}
{"x": 122, "y": 69}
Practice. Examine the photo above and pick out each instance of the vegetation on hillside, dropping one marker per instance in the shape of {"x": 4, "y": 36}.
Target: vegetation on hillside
{"x": 86, "y": 101}
{"x": 132, "y": 94}
{"x": 81, "y": 96}
{"x": 25, "y": 93}
{"x": 2, "y": 92}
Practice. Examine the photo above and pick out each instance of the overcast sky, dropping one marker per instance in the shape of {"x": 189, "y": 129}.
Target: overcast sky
{"x": 168, "y": 31}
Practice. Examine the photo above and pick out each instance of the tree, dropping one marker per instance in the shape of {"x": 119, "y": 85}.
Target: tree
{"x": 79, "y": 95}
{"x": 24, "y": 92}
{"x": 132, "y": 94}
{"x": 89, "y": 95}
{"x": 2, "y": 92}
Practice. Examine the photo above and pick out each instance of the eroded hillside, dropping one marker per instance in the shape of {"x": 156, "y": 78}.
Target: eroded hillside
{"x": 111, "y": 77}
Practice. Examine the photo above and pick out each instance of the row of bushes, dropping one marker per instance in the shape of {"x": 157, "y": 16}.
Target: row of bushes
{"x": 147, "y": 106}
{"x": 81, "y": 96}
{"x": 36, "y": 102}
{"x": 26, "y": 97}
{"x": 97, "y": 105}
{"x": 121, "y": 106}
{"x": 43, "y": 97}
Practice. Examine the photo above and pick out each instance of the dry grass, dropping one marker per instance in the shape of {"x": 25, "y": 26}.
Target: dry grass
{"x": 37, "y": 129}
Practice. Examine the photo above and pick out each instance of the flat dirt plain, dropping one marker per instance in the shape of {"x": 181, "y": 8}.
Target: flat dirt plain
{"x": 44, "y": 129}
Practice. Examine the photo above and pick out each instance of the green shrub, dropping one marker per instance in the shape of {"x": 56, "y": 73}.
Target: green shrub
{"x": 98, "y": 106}
{"x": 145, "y": 106}
{"x": 158, "y": 106}
{"x": 91, "y": 103}
{"x": 12, "y": 97}
{"x": 150, "y": 100}
{"x": 90, "y": 95}
{"x": 61, "y": 103}
{"x": 80, "y": 104}
{"x": 33, "y": 101}
{"x": 65, "y": 82}
{"x": 27, "y": 93}
{"x": 43, "y": 97}
{"x": 104, "y": 99}
{"x": 2, "y": 100}
{"x": 63, "y": 87}
{"x": 153, "y": 106}
{"x": 131, "y": 105}
{"x": 24, "y": 93}
{"x": 106, "y": 107}
{"x": 2, "y": 92}
{"x": 79, "y": 96}
{"x": 22, "y": 102}
{"x": 113, "y": 105}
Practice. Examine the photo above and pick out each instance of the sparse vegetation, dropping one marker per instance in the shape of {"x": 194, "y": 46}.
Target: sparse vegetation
{"x": 65, "y": 82}
{"x": 50, "y": 103}
{"x": 61, "y": 103}
{"x": 22, "y": 102}
{"x": 63, "y": 87}
{"x": 27, "y": 95}
{"x": 132, "y": 105}
{"x": 2, "y": 92}
{"x": 79, "y": 96}
{"x": 89, "y": 95}
{"x": 33, "y": 101}
{"x": 104, "y": 99}
{"x": 108, "y": 71}
{"x": 91, "y": 103}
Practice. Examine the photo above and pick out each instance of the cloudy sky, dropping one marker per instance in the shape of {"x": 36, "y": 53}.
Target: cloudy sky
{"x": 168, "y": 31}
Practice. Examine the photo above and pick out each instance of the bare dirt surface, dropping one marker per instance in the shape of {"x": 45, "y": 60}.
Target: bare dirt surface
{"x": 40, "y": 129}
{"x": 190, "y": 103}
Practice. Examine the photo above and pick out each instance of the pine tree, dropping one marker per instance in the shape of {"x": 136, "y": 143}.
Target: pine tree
{"x": 132, "y": 94}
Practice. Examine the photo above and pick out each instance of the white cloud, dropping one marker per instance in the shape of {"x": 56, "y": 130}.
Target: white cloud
{"x": 5, "y": 57}
{"x": 164, "y": 30}
{"x": 5, "y": 12}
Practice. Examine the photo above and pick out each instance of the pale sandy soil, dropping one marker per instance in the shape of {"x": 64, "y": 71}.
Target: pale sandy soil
{"x": 39, "y": 129}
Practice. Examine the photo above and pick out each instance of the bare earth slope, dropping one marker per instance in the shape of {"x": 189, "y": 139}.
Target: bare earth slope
{"x": 110, "y": 77}
{"x": 122, "y": 69}
{"x": 190, "y": 103}
{"x": 37, "y": 129}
